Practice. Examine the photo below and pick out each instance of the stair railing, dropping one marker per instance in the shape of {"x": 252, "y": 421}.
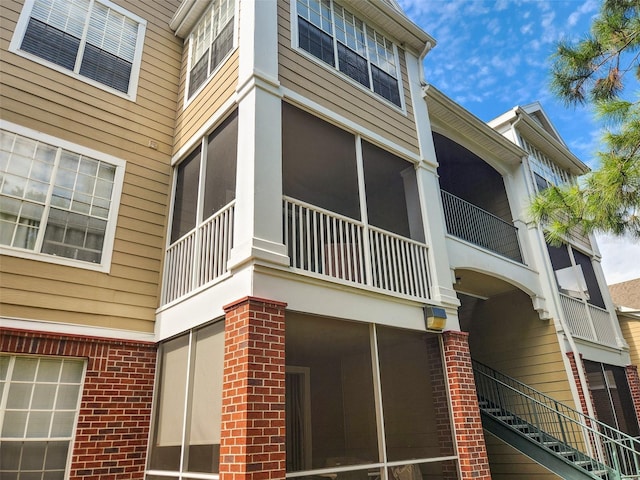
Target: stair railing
{"x": 546, "y": 420}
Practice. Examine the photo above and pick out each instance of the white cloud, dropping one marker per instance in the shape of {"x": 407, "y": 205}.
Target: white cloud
{"x": 620, "y": 258}
{"x": 586, "y": 8}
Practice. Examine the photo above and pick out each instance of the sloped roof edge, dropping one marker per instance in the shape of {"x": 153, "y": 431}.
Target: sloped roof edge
{"x": 453, "y": 115}
{"x": 546, "y": 141}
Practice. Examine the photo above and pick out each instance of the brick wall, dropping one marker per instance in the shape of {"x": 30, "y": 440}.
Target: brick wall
{"x": 633, "y": 379}
{"x": 115, "y": 410}
{"x": 441, "y": 406}
{"x": 583, "y": 397}
{"x": 472, "y": 451}
{"x": 252, "y": 444}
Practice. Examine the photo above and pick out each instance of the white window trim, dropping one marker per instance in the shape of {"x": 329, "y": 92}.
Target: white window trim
{"x": 21, "y": 28}
{"x": 109, "y": 236}
{"x": 334, "y": 69}
{"x": 188, "y": 45}
{"x": 74, "y": 430}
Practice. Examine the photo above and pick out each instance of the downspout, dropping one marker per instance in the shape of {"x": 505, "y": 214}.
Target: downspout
{"x": 427, "y": 48}
{"x": 576, "y": 356}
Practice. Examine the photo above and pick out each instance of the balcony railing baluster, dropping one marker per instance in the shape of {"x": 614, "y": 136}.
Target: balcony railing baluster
{"x": 475, "y": 225}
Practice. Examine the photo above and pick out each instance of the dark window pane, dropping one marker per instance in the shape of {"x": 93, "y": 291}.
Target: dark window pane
{"x": 319, "y": 163}
{"x": 50, "y": 44}
{"x": 389, "y": 190}
{"x": 595, "y": 296}
{"x": 315, "y": 41}
{"x": 198, "y": 73}
{"x": 559, "y": 257}
{"x": 186, "y": 196}
{"x": 222, "y": 45}
{"x": 105, "y": 68}
{"x": 353, "y": 65}
{"x": 385, "y": 85}
{"x": 541, "y": 182}
{"x": 222, "y": 150}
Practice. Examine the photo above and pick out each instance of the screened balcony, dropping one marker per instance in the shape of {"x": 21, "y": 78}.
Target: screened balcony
{"x": 351, "y": 209}
{"x": 584, "y": 308}
{"x": 476, "y": 207}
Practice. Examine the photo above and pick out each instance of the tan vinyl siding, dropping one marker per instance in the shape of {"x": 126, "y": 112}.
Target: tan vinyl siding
{"x": 507, "y": 463}
{"x": 216, "y": 91}
{"x": 72, "y": 110}
{"x": 329, "y": 88}
{"x": 507, "y": 335}
{"x": 631, "y": 333}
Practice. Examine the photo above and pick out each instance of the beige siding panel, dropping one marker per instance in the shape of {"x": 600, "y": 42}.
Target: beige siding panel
{"x": 507, "y": 334}
{"x": 328, "y": 88}
{"x": 78, "y": 317}
{"x": 507, "y": 463}
{"x": 631, "y": 333}
{"x": 20, "y": 282}
{"x": 77, "y": 276}
{"x": 57, "y": 104}
{"x": 219, "y": 89}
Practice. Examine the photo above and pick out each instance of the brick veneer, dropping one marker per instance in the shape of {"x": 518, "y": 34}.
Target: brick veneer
{"x": 441, "y": 406}
{"x": 252, "y": 437}
{"x": 472, "y": 451}
{"x": 583, "y": 397}
{"x": 633, "y": 379}
{"x": 115, "y": 410}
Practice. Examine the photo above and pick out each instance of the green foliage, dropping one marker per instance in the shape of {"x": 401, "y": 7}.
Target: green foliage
{"x": 592, "y": 71}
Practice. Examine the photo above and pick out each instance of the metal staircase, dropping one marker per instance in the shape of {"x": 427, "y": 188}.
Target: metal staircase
{"x": 567, "y": 442}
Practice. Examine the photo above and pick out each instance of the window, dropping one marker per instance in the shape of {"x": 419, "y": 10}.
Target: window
{"x": 214, "y": 172}
{"x": 191, "y": 369}
{"x": 93, "y": 39}
{"x": 575, "y": 274}
{"x": 39, "y": 398}
{"x": 348, "y": 412}
{"x": 334, "y": 35}
{"x": 210, "y": 42}
{"x": 60, "y": 201}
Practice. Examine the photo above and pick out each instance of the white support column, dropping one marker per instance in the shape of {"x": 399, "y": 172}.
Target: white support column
{"x": 258, "y": 214}
{"x": 429, "y": 193}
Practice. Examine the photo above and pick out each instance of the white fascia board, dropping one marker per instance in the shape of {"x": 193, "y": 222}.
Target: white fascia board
{"x": 439, "y": 106}
{"x": 547, "y": 143}
{"x": 395, "y": 23}
{"x": 74, "y": 329}
{"x": 188, "y": 13}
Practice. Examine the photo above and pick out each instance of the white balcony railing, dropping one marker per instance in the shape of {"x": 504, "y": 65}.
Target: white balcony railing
{"x": 331, "y": 245}
{"x": 588, "y": 321}
{"x": 475, "y": 225}
{"x": 199, "y": 257}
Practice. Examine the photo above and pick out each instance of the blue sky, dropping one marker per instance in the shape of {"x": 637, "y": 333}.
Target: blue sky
{"x": 492, "y": 55}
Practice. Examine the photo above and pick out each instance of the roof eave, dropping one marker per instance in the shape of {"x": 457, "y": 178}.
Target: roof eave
{"x": 451, "y": 114}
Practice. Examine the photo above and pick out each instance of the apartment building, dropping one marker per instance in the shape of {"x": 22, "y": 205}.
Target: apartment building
{"x": 246, "y": 239}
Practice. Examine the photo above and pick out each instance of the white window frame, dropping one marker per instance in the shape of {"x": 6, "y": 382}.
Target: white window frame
{"x": 131, "y": 94}
{"x": 189, "y": 50}
{"x": 3, "y": 400}
{"x": 109, "y": 235}
{"x": 335, "y": 67}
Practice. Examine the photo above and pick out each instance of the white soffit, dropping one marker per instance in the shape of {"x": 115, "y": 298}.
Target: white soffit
{"x": 188, "y": 13}
{"x": 447, "y": 116}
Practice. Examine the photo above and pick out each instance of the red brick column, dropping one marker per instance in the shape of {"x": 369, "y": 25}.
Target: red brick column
{"x": 252, "y": 443}
{"x": 633, "y": 379}
{"x": 115, "y": 409}
{"x": 441, "y": 406}
{"x": 472, "y": 451}
{"x": 582, "y": 395}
